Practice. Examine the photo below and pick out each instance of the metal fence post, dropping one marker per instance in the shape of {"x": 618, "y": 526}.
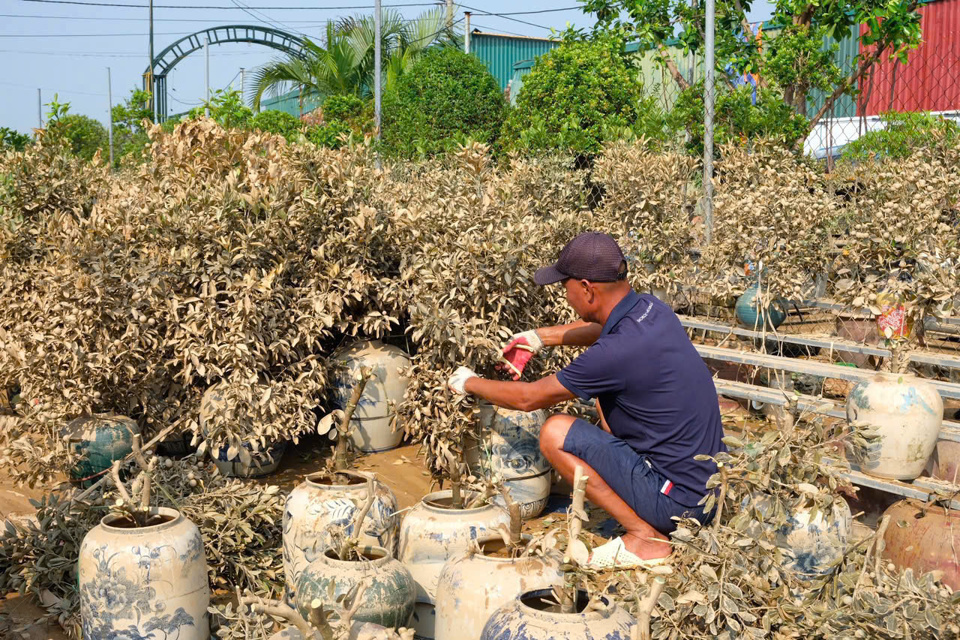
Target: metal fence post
{"x": 708, "y": 104}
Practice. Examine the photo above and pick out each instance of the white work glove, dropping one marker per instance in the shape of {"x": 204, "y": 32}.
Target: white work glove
{"x": 459, "y": 378}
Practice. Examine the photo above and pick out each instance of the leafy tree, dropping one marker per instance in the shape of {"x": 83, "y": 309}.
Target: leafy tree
{"x": 81, "y": 135}
{"x": 129, "y": 135}
{"x": 578, "y": 96}
{"x": 13, "y": 139}
{"x": 226, "y": 107}
{"x": 344, "y": 66}
{"x": 738, "y": 117}
{"x": 279, "y": 122}
{"x": 791, "y": 63}
{"x": 902, "y": 135}
{"x": 448, "y": 95}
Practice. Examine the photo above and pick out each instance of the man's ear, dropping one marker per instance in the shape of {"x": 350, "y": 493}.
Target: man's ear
{"x": 588, "y": 290}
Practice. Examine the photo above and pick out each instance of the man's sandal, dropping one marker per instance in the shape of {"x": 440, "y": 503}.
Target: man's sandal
{"x": 614, "y": 555}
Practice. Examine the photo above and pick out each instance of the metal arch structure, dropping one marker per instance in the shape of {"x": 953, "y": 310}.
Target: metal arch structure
{"x": 156, "y": 74}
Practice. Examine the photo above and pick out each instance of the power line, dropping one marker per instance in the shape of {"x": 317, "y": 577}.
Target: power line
{"x": 224, "y": 7}
{"x": 117, "y": 54}
{"x": 308, "y": 23}
{"x": 481, "y": 12}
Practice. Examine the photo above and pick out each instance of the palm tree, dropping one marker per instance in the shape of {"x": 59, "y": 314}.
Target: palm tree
{"x": 323, "y": 71}
{"x": 345, "y": 65}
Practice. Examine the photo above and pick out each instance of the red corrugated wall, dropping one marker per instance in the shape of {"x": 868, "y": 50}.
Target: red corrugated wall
{"x": 930, "y": 81}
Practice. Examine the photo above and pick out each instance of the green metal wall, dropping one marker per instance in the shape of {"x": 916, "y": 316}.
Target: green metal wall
{"x": 290, "y": 103}
{"x": 500, "y": 52}
{"x": 844, "y": 57}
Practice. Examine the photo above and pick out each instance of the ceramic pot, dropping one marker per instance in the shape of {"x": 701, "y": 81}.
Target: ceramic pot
{"x": 260, "y": 463}
{"x": 527, "y": 618}
{"x": 509, "y": 446}
{"x": 98, "y": 441}
{"x": 924, "y": 537}
{"x": 431, "y": 534}
{"x": 907, "y": 412}
{"x": 752, "y": 317}
{"x": 390, "y": 590}
{"x": 372, "y": 422}
{"x": 317, "y": 506}
{"x": 946, "y": 460}
{"x": 473, "y": 586}
{"x": 811, "y": 544}
{"x": 144, "y": 582}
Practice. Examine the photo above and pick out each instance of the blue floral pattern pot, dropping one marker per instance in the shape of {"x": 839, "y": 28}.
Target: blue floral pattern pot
{"x": 144, "y": 583}
{"x": 527, "y": 618}
{"x": 389, "y": 595}
{"x": 317, "y": 506}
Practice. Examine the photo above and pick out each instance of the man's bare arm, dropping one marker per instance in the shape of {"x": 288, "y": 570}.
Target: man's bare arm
{"x": 575, "y": 334}
{"x": 523, "y": 396}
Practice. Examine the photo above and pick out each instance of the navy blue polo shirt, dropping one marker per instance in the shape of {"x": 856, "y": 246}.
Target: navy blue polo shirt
{"x": 655, "y": 391}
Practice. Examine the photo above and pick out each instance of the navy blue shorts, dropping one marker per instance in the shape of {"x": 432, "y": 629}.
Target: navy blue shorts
{"x": 630, "y": 475}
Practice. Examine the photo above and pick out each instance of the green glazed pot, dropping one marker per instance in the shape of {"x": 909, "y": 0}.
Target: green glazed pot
{"x": 98, "y": 441}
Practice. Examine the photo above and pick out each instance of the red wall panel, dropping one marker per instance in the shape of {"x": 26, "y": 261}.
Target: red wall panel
{"x": 930, "y": 80}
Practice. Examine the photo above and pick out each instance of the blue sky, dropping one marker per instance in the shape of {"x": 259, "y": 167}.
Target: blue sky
{"x": 66, "y": 48}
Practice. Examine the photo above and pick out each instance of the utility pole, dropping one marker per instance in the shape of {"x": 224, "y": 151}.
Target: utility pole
{"x": 150, "y": 85}
{"x": 708, "y": 105}
{"x": 466, "y": 33}
{"x": 450, "y": 15}
{"x": 377, "y": 88}
{"x": 39, "y": 110}
{"x": 110, "y": 112}
{"x": 242, "y": 84}
{"x": 206, "y": 74}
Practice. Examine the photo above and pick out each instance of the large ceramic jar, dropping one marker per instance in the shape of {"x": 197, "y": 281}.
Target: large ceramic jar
{"x": 811, "y": 545}
{"x": 372, "y": 424}
{"x": 527, "y": 617}
{"x": 473, "y": 586}
{"x": 432, "y": 533}
{"x": 389, "y": 591}
{"x": 323, "y": 502}
{"x": 144, "y": 582}
{"x": 98, "y": 441}
{"x": 925, "y": 538}
{"x": 509, "y": 446}
{"x": 907, "y": 413}
{"x": 751, "y": 316}
{"x": 239, "y": 461}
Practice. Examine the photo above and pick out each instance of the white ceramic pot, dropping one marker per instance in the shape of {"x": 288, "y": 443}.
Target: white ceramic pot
{"x": 811, "y": 544}
{"x": 146, "y": 582}
{"x": 389, "y": 591}
{"x": 907, "y": 412}
{"x": 317, "y": 506}
{"x": 372, "y": 422}
{"x": 509, "y": 446}
{"x": 431, "y": 534}
{"x": 526, "y": 618}
{"x": 473, "y": 586}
